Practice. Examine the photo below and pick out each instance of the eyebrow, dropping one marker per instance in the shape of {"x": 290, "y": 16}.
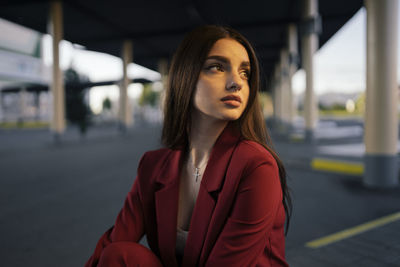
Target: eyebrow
{"x": 225, "y": 60}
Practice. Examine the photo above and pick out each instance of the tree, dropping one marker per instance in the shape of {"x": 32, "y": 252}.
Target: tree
{"x": 149, "y": 96}
{"x": 107, "y": 104}
{"x": 360, "y": 103}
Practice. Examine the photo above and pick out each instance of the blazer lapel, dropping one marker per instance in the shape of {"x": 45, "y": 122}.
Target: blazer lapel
{"x": 211, "y": 183}
{"x": 166, "y": 200}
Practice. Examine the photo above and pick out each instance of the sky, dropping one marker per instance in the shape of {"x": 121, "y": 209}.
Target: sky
{"x": 98, "y": 67}
{"x": 340, "y": 64}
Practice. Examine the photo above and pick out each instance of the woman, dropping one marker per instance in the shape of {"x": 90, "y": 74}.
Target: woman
{"x": 217, "y": 193}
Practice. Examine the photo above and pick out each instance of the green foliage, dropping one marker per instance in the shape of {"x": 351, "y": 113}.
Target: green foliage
{"x": 107, "y": 104}
{"x": 360, "y": 103}
{"x": 266, "y": 104}
{"x": 332, "y": 107}
{"x": 148, "y": 97}
{"x": 322, "y": 107}
{"x": 338, "y": 107}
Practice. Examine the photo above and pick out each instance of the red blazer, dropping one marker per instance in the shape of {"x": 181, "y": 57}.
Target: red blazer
{"x": 238, "y": 219}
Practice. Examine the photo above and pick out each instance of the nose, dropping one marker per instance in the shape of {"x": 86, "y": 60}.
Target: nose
{"x": 234, "y": 82}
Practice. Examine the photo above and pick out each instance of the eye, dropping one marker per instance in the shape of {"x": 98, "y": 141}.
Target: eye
{"x": 245, "y": 74}
{"x": 215, "y": 67}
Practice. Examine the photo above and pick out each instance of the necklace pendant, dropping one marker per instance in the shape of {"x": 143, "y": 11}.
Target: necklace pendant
{"x": 197, "y": 174}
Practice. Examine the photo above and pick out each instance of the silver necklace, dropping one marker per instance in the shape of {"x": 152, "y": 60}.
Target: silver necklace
{"x": 197, "y": 170}
{"x": 197, "y": 173}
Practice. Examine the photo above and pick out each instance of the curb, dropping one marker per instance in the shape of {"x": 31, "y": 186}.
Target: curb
{"x": 337, "y": 166}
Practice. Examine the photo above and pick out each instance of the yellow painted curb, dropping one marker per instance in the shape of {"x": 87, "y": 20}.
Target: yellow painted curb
{"x": 353, "y": 231}
{"x": 24, "y": 125}
{"x": 337, "y": 166}
{"x": 296, "y": 139}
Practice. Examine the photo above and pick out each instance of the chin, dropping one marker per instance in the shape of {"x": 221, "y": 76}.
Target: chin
{"x": 232, "y": 116}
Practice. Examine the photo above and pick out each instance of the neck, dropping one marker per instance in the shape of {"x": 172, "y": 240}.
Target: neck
{"x": 204, "y": 133}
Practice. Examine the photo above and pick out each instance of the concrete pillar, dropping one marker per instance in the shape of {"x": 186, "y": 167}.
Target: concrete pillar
{"x": 125, "y": 112}
{"x": 309, "y": 47}
{"x": 163, "y": 70}
{"x": 277, "y": 98}
{"x": 22, "y": 104}
{"x": 273, "y": 97}
{"x": 57, "y": 86}
{"x": 1, "y": 106}
{"x": 286, "y": 106}
{"x": 37, "y": 105}
{"x": 381, "y": 122}
{"x": 293, "y": 61}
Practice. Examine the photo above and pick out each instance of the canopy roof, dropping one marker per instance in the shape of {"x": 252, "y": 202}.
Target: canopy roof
{"x": 156, "y": 26}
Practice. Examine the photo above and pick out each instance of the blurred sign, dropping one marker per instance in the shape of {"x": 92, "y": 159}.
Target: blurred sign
{"x": 20, "y": 67}
{"x": 20, "y": 54}
{"x": 19, "y": 39}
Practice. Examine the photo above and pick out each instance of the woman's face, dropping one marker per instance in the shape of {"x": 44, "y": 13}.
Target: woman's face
{"x": 222, "y": 90}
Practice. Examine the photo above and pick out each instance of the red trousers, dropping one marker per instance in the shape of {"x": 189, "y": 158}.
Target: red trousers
{"x": 129, "y": 254}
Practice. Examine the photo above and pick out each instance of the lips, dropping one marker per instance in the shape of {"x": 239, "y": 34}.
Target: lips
{"x": 232, "y": 101}
{"x": 231, "y": 98}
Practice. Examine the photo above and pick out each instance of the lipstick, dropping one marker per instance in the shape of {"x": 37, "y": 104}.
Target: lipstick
{"x": 232, "y": 100}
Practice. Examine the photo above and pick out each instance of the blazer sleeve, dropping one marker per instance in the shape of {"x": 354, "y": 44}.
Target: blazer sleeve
{"x": 129, "y": 225}
{"x": 246, "y": 231}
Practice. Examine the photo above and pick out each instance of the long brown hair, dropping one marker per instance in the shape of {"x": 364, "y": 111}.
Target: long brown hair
{"x": 185, "y": 69}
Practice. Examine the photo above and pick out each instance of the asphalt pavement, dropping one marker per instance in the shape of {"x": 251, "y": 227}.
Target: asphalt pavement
{"x": 57, "y": 199}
